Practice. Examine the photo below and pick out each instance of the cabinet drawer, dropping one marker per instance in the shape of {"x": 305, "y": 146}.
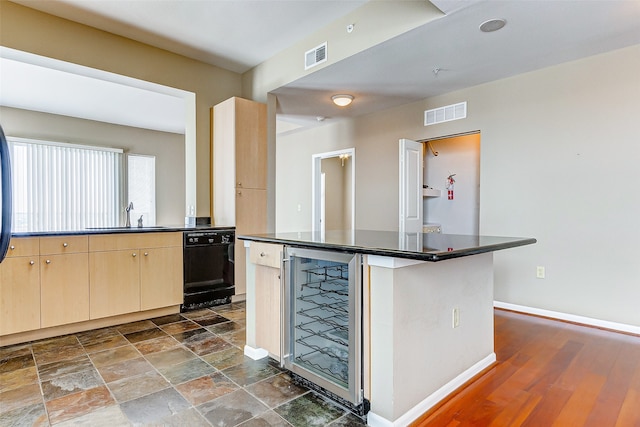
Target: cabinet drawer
{"x": 120, "y": 241}
{"x": 266, "y": 254}
{"x": 23, "y": 246}
{"x": 63, "y": 245}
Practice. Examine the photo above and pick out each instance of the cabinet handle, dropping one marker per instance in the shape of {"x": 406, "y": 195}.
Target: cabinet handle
{"x": 146, "y": 254}
{"x": 12, "y": 247}
{"x": 134, "y": 254}
{"x": 65, "y": 244}
{"x": 239, "y": 184}
{"x": 32, "y": 262}
{"x": 48, "y": 261}
{"x": 262, "y": 254}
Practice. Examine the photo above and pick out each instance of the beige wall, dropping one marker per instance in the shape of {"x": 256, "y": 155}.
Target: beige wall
{"x": 558, "y": 162}
{"x": 36, "y": 32}
{"x": 168, "y": 148}
{"x": 293, "y": 174}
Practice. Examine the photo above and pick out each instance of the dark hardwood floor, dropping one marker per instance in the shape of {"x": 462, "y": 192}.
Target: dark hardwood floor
{"x": 550, "y": 373}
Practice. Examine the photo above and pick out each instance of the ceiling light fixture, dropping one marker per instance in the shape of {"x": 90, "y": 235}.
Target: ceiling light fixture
{"x": 492, "y": 25}
{"x": 342, "y": 100}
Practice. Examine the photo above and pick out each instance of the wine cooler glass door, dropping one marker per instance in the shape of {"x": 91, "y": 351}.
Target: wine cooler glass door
{"x": 324, "y": 318}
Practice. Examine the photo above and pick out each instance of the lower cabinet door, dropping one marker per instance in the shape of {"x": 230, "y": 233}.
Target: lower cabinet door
{"x": 114, "y": 283}
{"x": 19, "y": 295}
{"x": 268, "y": 309}
{"x": 161, "y": 277}
{"x": 64, "y": 287}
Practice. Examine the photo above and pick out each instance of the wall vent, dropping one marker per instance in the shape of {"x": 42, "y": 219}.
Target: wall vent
{"x": 445, "y": 114}
{"x": 315, "y": 56}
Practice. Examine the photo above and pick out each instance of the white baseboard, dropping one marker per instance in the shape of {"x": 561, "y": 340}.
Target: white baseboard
{"x": 255, "y": 353}
{"x": 589, "y": 321}
{"x": 414, "y": 413}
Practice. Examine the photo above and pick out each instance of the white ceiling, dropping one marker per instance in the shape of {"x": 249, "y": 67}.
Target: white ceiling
{"x": 240, "y": 34}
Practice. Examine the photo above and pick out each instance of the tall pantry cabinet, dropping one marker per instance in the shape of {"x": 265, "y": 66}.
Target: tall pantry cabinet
{"x": 239, "y": 151}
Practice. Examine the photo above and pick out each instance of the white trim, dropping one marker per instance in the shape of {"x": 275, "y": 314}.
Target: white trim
{"x": 589, "y": 321}
{"x": 389, "y": 262}
{"x": 430, "y": 401}
{"x": 255, "y": 353}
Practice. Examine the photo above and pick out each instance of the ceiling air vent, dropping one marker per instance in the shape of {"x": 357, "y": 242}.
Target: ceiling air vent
{"x": 445, "y": 114}
{"x": 315, "y": 56}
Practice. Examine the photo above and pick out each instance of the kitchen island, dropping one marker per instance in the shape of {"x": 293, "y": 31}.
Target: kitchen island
{"x": 426, "y": 311}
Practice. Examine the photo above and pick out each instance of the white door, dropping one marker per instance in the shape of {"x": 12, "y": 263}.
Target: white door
{"x": 411, "y": 163}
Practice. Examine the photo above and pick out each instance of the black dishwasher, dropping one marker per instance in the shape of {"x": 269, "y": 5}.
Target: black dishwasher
{"x": 208, "y": 268}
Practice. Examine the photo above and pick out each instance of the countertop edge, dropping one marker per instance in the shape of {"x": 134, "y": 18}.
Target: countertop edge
{"x": 121, "y": 230}
{"x": 424, "y": 256}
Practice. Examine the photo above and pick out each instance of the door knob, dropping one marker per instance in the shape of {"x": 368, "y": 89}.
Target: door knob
{"x": 146, "y": 254}
{"x": 48, "y": 261}
{"x": 134, "y": 254}
{"x": 32, "y": 262}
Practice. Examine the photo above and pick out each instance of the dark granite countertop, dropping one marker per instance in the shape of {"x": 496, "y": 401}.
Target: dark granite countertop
{"x": 119, "y": 230}
{"x": 420, "y": 246}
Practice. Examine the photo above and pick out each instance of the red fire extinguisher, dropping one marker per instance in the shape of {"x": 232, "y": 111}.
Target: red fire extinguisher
{"x": 450, "y": 182}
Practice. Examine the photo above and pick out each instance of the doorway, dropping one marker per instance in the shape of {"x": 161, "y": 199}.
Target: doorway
{"x": 333, "y": 191}
{"x": 454, "y": 208}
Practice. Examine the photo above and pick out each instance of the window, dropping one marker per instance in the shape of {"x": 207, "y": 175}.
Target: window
{"x": 59, "y": 186}
{"x": 141, "y": 174}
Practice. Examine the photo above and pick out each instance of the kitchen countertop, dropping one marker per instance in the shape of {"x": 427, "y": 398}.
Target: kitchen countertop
{"x": 120, "y": 230}
{"x": 419, "y": 246}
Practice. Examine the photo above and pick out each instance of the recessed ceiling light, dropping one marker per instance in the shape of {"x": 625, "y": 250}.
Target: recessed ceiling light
{"x": 342, "y": 100}
{"x": 492, "y": 25}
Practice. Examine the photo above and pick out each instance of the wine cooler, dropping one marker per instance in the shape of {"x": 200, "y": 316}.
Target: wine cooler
{"x": 322, "y": 323}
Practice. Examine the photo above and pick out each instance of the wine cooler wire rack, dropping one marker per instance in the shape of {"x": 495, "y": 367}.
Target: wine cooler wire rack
{"x": 327, "y": 310}
{"x": 319, "y": 308}
{"x": 329, "y": 272}
{"x": 338, "y": 335}
{"x": 332, "y": 364}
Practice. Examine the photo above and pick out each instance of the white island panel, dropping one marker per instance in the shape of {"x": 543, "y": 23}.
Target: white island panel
{"x": 417, "y": 356}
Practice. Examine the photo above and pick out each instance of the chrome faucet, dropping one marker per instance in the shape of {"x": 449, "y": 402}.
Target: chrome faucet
{"x": 128, "y": 209}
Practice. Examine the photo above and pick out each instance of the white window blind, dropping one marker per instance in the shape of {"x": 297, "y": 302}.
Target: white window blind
{"x": 141, "y": 188}
{"x": 59, "y": 187}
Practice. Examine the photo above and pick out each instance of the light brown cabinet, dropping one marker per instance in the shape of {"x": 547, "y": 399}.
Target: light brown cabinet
{"x": 64, "y": 280}
{"x": 267, "y": 260}
{"x": 239, "y": 175}
{"x": 160, "y": 271}
{"x": 114, "y": 279}
{"x": 20, "y": 288}
{"x": 251, "y": 210}
{"x": 56, "y": 284}
{"x": 250, "y": 127}
{"x": 133, "y": 272}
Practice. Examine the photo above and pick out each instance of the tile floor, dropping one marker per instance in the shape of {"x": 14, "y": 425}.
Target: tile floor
{"x": 180, "y": 370}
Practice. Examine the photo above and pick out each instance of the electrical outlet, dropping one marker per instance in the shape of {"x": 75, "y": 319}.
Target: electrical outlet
{"x": 455, "y": 318}
{"x": 540, "y": 272}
